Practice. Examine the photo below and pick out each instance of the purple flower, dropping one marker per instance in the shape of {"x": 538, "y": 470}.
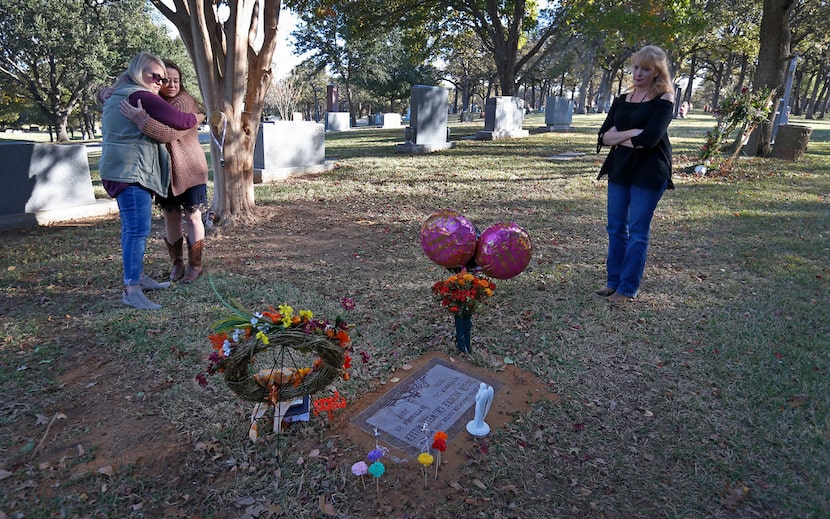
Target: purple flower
{"x": 347, "y": 303}
{"x": 202, "y": 379}
{"x": 375, "y": 454}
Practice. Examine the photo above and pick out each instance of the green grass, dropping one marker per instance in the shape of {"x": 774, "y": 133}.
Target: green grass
{"x": 716, "y": 378}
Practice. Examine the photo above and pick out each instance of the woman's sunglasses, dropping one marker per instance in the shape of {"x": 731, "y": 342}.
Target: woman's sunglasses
{"x": 158, "y": 78}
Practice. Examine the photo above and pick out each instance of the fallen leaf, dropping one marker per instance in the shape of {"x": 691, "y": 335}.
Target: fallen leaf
{"x": 798, "y": 400}
{"x": 733, "y": 495}
{"x": 326, "y": 507}
{"x": 107, "y": 470}
{"x": 455, "y": 485}
{"x": 508, "y": 360}
{"x": 41, "y": 420}
{"x": 313, "y": 453}
{"x": 5, "y": 474}
{"x": 477, "y": 482}
{"x": 406, "y": 367}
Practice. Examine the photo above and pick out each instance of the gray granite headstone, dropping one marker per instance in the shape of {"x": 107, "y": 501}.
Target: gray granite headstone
{"x": 503, "y": 118}
{"x": 338, "y": 121}
{"x": 559, "y": 113}
{"x": 428, "y": 116}
{"x": 428, "y": 128}
{"x": 284, "y": 148}
{"x": 438, "y": 397}
{"x": 41, "y": 177}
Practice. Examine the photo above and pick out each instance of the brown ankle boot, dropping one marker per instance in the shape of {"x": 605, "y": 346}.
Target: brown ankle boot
{"x": 194, "y": 261}
{"x": 177, "y": 255}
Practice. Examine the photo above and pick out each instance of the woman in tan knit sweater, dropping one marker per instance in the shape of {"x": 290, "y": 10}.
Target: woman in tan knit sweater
{"x": 188, "y": 186}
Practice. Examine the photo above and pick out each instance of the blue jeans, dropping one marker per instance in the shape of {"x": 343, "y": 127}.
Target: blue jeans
{"x": 135, "y": 205}
{"x": 630, "y": 209}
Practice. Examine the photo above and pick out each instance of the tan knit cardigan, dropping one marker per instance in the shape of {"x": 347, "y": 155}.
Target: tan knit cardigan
{"x": 186, "y": 154}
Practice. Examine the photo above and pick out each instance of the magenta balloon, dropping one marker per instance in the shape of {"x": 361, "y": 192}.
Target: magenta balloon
{"x": 448, "y": 238}
{"x": 504, "y": 250}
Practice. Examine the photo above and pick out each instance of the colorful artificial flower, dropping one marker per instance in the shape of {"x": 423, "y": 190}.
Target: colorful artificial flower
{"x": 375, "y": 454}
{"x": 377, "y": 469}
{"x": 439, "y": 443}
{"x": 242, "y": 324}
{"x": 425, "y": 459}
{"x": 360, "y": 469}
{"x": 462, "y": 293}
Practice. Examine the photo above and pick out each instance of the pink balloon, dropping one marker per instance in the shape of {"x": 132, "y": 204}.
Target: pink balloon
{"x": 504, "y": 250}
{"x": 448, "y": 238}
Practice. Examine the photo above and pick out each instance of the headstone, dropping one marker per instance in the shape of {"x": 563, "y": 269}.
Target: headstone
{"x": 438, "y": 394}
{"x": 427, "y": 130}
{"x": 332, "y": 99}
{"x": 791, "y": 141}
{"x": 389, "y": 120}
{"x": 503, "y": 119}
{"x": 296, "y": 116}
{"x": 559, "y": 113}
{"x": 285, "y": 148}
{"x": 47, "y": 183}
{"x": 337, "y": 121}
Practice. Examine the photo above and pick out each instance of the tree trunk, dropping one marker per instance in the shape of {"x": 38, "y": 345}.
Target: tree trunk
{"x": 59, "y": 122}
{"x": 586, "y": 78}
{"x": 687, "y": 95}
{"x": 773, "y": 56}
{"x": 234, "y": 73}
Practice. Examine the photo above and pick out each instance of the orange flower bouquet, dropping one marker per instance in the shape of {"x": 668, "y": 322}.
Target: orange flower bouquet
{"x": 461, "y": 294}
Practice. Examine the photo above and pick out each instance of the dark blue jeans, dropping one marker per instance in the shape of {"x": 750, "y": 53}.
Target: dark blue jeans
{"x": 135, "y": 206}
{"x": 630, "y": 209}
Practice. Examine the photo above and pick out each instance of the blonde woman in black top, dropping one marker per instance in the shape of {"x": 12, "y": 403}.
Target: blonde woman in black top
{"x": 638, "y": 169}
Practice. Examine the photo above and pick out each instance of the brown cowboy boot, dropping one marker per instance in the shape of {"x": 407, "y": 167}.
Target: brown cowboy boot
{"x": 194, "y": 261}
{"x": 177, "y": 255}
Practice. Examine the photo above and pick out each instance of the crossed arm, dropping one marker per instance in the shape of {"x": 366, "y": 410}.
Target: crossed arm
{"x": 621, "y": 138}
{"x": 152, "y": 127}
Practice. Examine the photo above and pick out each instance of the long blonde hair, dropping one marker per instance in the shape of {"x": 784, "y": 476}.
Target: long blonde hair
{"x": 136, "y": 68}
{"x": 653, "y": 57}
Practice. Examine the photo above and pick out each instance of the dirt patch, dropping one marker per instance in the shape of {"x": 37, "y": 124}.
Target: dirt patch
{"x": 107, "y": 430}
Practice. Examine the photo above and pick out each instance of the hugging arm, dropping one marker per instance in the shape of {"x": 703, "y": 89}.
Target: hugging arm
{"x": 152, "y": 127}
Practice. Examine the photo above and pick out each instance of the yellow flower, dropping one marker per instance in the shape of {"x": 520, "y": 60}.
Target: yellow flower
{"x": 306, "y": 314}
{"x": 425, "y": 459}
{"x": 286, "y": 311}
{"x": 261, "y": 336}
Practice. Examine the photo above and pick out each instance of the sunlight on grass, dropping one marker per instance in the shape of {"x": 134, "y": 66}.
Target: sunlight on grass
{"x": 715, "y": 375}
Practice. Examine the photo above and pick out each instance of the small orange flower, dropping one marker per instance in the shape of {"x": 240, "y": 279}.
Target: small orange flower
{"x": 343, "y": 337}
{"x": 218, "y": 340}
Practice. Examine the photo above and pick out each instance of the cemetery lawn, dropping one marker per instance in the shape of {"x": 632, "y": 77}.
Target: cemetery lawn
{"x": 706, "y": 397}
